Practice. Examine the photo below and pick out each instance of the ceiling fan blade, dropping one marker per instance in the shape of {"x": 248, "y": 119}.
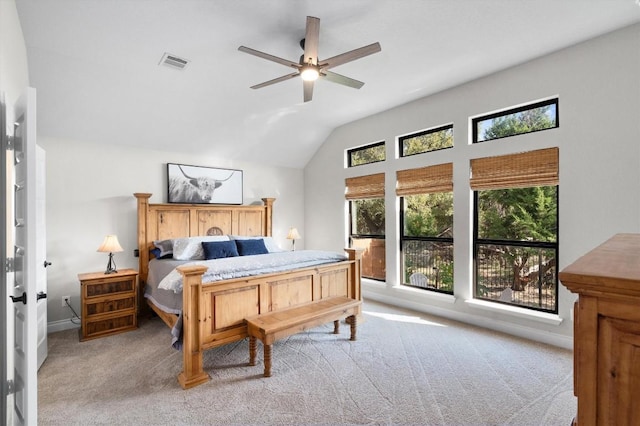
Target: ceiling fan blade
{"x": 276, "y": 80}
{"x": 341, "y": 79}
{"x": 311, "y": 40}
{"x": 268, "y": 57}
{"x": 308, "y": 90}
{"x": 350, "y": 56}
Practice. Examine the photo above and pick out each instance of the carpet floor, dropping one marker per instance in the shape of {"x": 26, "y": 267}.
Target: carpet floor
{"x": 406, "y": 368}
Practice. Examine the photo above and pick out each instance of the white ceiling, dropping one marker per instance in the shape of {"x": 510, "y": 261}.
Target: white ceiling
{"x": 94, "y": 64}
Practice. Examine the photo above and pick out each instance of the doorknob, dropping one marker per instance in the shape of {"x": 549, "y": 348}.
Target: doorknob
{"x": 22, "y": 298}
{"x": 41, "y": 295}
{"x": 47, "y": 263}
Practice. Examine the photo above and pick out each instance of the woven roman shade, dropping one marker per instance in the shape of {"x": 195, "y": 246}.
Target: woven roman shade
{"x": 526, "y": 169}
{"x": 363, "y": 187}
{"x": 425, "y": 180}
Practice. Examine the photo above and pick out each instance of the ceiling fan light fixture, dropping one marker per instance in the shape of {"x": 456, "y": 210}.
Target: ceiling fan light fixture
{"x": 309, "y": 68}
{"x": 309, "y": 73}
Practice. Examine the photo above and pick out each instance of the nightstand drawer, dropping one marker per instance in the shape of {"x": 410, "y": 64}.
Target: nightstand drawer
{"x": 110, "y": 286}
{"x": 109, "y": 303}
{"x": 102, "y": 326}
{"x": 96, "y": 307}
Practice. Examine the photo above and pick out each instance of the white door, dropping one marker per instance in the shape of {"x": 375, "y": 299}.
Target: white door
{"x": 21, "y": 336}
{"x": 41, "y": 254}
{"x": 7, "y": 324}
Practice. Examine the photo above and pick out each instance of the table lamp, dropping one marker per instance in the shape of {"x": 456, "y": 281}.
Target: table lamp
{"x": 293, "y": 235}
{"x": 110, "y": 245}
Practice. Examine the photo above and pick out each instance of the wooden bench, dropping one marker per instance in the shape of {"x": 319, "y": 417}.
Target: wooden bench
{"x": 272, "y": 326}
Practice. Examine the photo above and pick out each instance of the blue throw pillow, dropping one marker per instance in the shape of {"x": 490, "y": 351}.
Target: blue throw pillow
{"x": 219, "y": 249}
{"x": 165, "y": 247}
{"x": 249, "y": 247}
{"x": 157, "y": 253}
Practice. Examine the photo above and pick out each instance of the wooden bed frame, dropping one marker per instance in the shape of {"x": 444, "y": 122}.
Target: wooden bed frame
{"x": 214, "y": 313}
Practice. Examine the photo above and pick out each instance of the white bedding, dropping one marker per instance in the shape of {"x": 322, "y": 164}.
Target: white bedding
{"x": 244, "y": 266}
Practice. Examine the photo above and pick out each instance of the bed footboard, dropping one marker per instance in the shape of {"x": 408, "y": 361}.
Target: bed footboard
{"x": 214, "y": 313}
{"x": 192, "y": 323}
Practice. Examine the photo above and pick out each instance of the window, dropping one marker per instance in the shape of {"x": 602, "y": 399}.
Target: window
{"x": 427, "y": 140}
{"x": 516, "y": 121}
{"x": 426, "y": 212}
{"x": 366, "y": 154}
{"x": 367, "y": 222}
{"x": 516, "y": 229}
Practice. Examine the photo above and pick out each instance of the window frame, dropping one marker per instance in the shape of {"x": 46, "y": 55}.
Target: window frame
{"x": 363, "y": 148}
{"x": 366, "y": 236}
{"x": 404, "y": 238}
{"x": 510, "y": 111}
{"x": 538, "y": 244}
{"x": 402, "y": 138}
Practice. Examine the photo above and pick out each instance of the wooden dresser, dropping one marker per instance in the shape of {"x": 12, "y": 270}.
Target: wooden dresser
{"x": 607, "y": 332}
{"x": 109, "y": 303}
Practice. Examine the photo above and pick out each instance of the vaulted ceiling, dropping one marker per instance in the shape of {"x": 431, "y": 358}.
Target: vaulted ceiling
{"x": 95, "y": 64}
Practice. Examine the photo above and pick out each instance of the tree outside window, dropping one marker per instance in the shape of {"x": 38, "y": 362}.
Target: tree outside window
{"x": 427, "y": 241}
{"x": 366, "y": 154}
{"x": 517, "y": 121}
{"x": 516, "y": 214}
{"x": 427, "y": 140}
{"x": 368, "y": 233}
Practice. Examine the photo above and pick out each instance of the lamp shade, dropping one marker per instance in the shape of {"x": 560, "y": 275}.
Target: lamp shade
{"x": 293, "y": 234}
{"x": 110, "y": 245}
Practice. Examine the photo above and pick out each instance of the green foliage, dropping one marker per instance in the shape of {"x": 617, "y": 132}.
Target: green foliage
{"x": 369, "y": 217}
{"x": 368, "y": 155}
{"x": 521, "y": 122}
{"x": 429, "y": 215}
{"x": 445, "y": 277}
{"x": 521, "y": 214}
{"x": 517, "y": 214}
{"x": 428, "y": 142}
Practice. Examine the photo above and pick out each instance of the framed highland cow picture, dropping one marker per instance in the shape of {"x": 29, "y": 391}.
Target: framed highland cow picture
{"x": 203, "y": 185}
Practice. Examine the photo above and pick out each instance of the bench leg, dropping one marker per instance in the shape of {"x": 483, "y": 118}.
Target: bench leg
{"x": 336, "y": 327}
{"x": 267, "y": 360}
{"x": 252, "y": 350}
{"x": 353, "y": 322}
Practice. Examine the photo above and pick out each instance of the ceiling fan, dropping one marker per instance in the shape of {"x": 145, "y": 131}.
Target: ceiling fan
{"x": 309, "y": 67}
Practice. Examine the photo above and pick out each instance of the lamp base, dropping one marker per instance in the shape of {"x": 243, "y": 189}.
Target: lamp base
{"x": 111, "y": 266}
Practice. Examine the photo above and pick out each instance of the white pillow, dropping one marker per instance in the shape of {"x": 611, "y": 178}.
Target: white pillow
{"x": 269, "y": 242}
{"x": 191, "y": 248}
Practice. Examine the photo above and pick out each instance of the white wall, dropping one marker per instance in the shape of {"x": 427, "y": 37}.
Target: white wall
{"x": 598, "y": 86}
{"x": 90, "y": 194}
{"x": 14, "y": 75}
{"x": 90, "y": 188}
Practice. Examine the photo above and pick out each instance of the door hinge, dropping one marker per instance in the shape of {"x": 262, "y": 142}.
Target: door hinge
{"x": 10, "y": 143}
{"x": 10, "y": 265}
{"x": 9, "y": 387}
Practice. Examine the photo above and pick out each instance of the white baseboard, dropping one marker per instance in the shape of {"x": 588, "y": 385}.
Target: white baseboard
{"x": 529, "y": 333}
{"x": 55, "y": 326}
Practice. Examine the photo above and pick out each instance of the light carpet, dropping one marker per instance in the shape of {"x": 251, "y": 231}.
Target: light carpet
{"x": 405, "y": 368}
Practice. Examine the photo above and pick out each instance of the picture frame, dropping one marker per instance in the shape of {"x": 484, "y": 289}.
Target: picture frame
{"x": 188, "y": 184}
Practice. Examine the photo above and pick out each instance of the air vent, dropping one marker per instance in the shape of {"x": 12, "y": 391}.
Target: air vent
{"x": 173, "y": 61}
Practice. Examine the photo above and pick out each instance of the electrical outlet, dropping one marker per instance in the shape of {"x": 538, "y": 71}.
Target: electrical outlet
{"x": 65, "y": 299}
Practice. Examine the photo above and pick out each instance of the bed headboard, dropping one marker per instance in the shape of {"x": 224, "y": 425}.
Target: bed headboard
{"x": 166, "y": 221}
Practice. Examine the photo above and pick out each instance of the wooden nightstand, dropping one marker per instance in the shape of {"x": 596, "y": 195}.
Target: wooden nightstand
{"x": 109, "y": 303}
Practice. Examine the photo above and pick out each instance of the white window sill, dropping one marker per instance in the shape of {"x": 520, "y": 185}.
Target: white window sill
{"x": 375, "y": 283}
{"x": 528, "y": 314}
{"x": 407, "y": 292}
{"x": 425, "y": 294}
